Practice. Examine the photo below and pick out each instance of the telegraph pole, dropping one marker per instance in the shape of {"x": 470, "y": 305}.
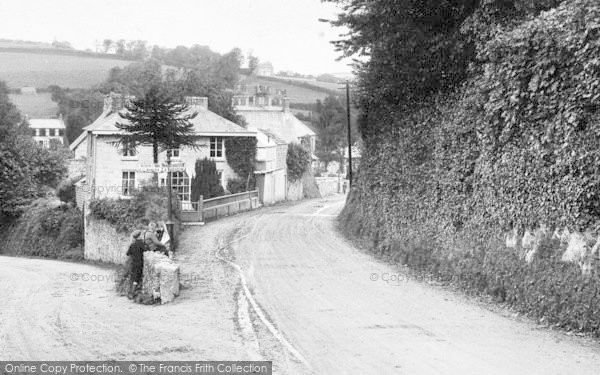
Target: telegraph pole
{"x": 349, "y": 135}
{"x": 169, "y": 222}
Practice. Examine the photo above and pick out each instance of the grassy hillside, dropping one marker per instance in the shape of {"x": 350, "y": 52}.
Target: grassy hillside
{"x": 35, "y": 106}
{"x": 20, "y": 69}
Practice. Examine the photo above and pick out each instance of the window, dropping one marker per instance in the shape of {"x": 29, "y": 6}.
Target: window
{"x": 175, "y": 153}
{"x": 216, "y": 147}
{"x": 128, "y": 150}
{"x": 61, "y": 132}
{"x": 41, "y": 143}
{"x": 128, "y": 183}
{"x": 180, "y": 182}
{"x": 34, "y": 132}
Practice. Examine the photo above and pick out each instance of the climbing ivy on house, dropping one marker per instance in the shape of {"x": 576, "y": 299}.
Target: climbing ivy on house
{"x": 241, "y": 155}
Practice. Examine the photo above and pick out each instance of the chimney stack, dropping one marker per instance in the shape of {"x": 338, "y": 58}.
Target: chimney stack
{"x": 113, "y": 102}
{"x": 197, "y": 102}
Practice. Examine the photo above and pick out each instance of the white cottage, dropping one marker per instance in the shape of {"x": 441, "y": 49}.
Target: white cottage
{"x": 45, "y": 130}
{"x": 114, "y": 172}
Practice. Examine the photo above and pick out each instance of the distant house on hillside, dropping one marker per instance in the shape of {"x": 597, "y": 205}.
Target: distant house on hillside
{"x": 28, "y": 91}
{"x": 45, "y": 130}
{"x": 264, "y": 69}
{"x": 270, "y": 111}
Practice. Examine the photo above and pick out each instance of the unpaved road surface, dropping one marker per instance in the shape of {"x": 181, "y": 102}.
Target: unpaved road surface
{"x": 310, "y": 303}
{"x": 319, "y": 292}
{"x": 52, "y": 310}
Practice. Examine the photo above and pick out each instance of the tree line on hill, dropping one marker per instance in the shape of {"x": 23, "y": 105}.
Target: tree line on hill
{"x": 211, "y": 75}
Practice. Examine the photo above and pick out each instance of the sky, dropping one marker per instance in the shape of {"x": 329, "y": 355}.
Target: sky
{"x": 285, "y": 32}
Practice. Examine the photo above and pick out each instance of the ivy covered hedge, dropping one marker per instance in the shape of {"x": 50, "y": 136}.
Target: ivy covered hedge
{"x": 241, "y": 156}
{"x": 148, "y": 204}
{"x": 298, "y": 161}
{"x": 46, "y": 230}
{"x": 513, "y": 144}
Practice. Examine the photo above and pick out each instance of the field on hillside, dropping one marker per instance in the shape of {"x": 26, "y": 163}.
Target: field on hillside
{"x": 297, "y": 94}
{"x": 35, "y": 106}
{"x": 20, "y": 69}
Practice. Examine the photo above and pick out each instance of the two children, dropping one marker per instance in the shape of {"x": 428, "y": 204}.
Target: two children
{"x": 141, "y": 241}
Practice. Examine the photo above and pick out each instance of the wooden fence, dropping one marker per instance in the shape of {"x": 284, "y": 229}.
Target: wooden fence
{"x": 213, "y": 208}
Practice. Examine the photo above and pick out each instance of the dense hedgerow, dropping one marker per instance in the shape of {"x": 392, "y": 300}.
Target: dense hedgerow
{"x": 47, "y": 230}
{"x": 514, "y": 144}
{"x": 127, "y": 214}
{"x": 298, "y": 161}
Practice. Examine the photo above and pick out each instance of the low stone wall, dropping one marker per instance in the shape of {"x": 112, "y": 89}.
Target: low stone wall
{"x": 103, "y": 243}
{"x": 161, "y": 277}
{"x": 295, "y": 191}
{"x": 329, "y": 185}
{"x": 305, "y": 188}
{"x": 76, "y": 167}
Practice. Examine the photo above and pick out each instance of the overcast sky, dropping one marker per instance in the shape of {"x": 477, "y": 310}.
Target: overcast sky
{"x": 285, "y": 32}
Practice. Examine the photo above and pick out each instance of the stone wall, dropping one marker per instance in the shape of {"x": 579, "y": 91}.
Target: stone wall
{"x": 329, "y": 185}
{"x": 103, "y": 243}
{"x": 305, "y": 188}
{"x": 294, "y": 191}
{"x": 161, "y": 277}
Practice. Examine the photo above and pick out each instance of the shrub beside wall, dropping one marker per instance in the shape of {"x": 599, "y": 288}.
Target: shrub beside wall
{"x": 46, "y": 229}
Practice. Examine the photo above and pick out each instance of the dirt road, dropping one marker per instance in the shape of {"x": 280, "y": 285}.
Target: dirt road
{"x": 52, "y": 310}
{"x": 306, "y": 299}
{"x": 333, "y": 304}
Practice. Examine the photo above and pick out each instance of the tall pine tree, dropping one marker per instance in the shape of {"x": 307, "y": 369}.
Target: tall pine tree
{"x": 157, "y": 120}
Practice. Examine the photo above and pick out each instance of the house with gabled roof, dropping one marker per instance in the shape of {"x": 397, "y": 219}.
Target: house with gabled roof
{"x": 267, "y": 109}
{"x": 271, "y": 167}
{"x": 114, "y": 172}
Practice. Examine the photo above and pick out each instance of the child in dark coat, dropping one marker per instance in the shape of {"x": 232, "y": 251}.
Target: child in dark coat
{"x": 136, "y": 254}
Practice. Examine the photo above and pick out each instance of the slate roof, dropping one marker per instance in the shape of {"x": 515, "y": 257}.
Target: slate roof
{"x": 281, "y": 123}
{"x": 78, "y": 141}
{"x": 46, "y": 123}
{"x": 274, "y": 137}
{"x": 206, "y": 123}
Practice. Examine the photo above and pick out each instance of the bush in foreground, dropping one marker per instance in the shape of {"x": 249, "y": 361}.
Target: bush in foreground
{"x": 46, "y": 229}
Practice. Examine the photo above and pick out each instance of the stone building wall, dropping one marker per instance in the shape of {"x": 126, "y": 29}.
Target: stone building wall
{"x": 103, "y": 243}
